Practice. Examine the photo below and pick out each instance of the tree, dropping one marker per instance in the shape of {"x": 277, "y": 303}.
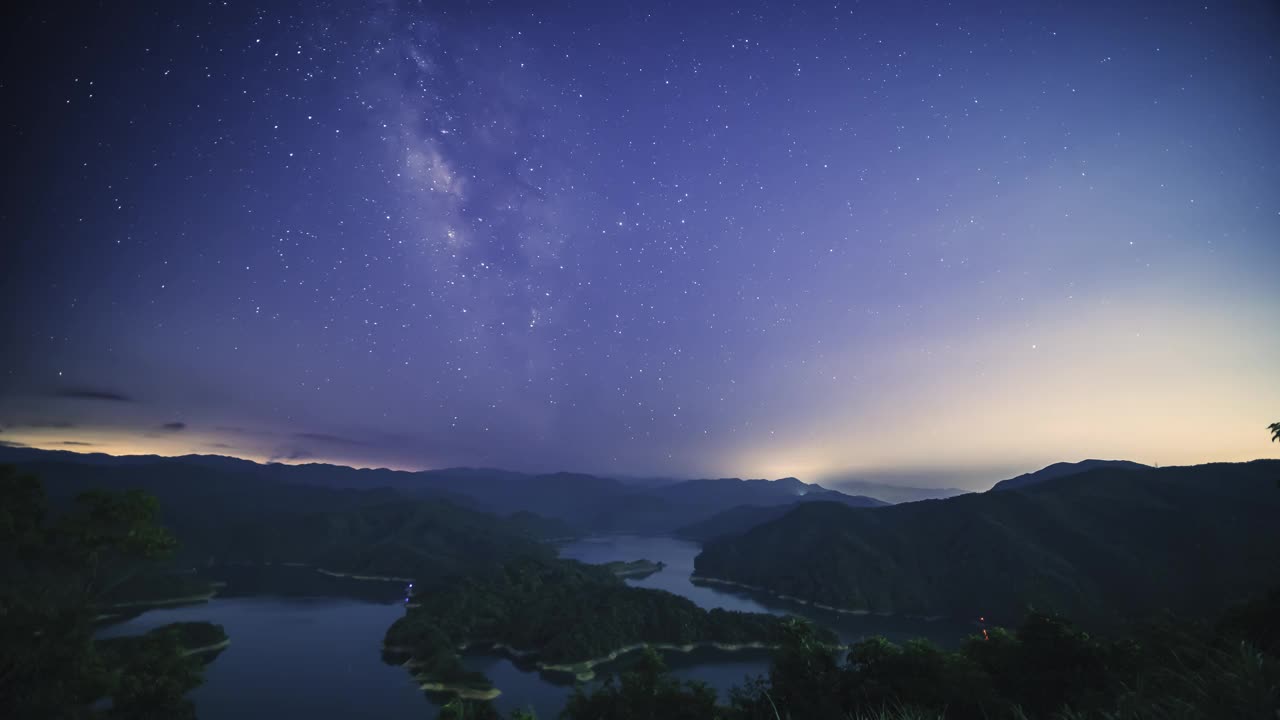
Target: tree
{"x": 153, "y": 680}
{"x": 1275, "y": 431}
{"x": 55, "y": 571}
{"x": 461, "y": 709}
{"x": 805, "y": 679}
{"x": 646, "y": 692}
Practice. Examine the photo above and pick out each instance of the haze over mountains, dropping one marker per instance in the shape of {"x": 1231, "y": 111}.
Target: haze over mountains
{"x": 698, "y": 508}
{"x": 491, "y": 485}
{"x": 1085, "y": 538}
{"x": 891, "y": 493}
{"x": 582, "y": 503}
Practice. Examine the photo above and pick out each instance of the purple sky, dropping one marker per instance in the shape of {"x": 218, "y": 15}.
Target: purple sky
{"x": 931, "y": 241}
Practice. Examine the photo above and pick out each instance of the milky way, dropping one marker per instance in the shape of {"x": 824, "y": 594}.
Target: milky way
{"x": 883, "y": 239}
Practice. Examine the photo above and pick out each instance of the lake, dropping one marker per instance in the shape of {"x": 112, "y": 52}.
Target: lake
{"x": 309, "y": 646}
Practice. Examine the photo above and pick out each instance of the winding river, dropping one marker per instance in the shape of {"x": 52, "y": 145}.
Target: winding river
{"x": 308, "y": 647}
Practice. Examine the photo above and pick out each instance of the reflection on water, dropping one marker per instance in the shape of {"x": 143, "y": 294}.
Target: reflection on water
{"x": 296, "y": 657}
{"x": 525, "y": 689}
{"x": 675, "y": 577}
{"x": 299, "y": 581}
{"x": 309, "y": 645}
{"x": 678, "y": 556}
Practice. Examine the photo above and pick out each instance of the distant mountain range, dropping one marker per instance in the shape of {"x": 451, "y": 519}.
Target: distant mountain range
{"x": 892, "y": 494}
{"x": 232, "y": 513}
{"x": 1063, "y": 469}
{"x": 1090, "y": 539}
{"x": 580, "y": 503}
{"x": 1108, "y": 540}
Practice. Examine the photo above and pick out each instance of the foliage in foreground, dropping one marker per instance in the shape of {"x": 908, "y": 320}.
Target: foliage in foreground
{"x": 56, "y": 572}
{"x": 1046, "y": 668}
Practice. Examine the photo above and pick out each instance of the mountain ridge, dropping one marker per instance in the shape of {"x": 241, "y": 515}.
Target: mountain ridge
{"x": 590, "y": 503}
{"x": 1064, "y": 469}
{"x": 1107, "y": 542}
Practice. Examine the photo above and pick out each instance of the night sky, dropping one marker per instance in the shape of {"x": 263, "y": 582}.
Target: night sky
{"x": 936, "y": 242}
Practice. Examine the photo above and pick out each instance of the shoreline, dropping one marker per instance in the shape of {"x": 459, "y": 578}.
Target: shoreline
{"x": 809, "y": 603}
{"x": 353, "y": 576}
{"x": 465, "y": 693}
{"x": 636, "y": 569}
{"x": 322, "y": 571}
{"x": 188, "y": 652}
{"x": 164, "y": 602}
{"x": 583, "y": 670}
{"x": 424, "y": 682}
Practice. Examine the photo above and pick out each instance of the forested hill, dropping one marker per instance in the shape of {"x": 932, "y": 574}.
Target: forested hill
{"x": 1094, "y": 545}
{"x": 733, "y": 521}
{"x": 222, "y": 515}
{"x": 588, "y": 503}
{"x": 560, "y": 613}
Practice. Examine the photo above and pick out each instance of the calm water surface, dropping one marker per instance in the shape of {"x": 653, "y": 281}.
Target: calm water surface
{"x": 679, "y": 555}
{"x": 305, "y": 647}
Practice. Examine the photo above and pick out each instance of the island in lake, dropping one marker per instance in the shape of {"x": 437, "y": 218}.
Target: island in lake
{"x": 203, "y": 639}
{"x": 562, "y": 616}
{"x": 636, "y": 569}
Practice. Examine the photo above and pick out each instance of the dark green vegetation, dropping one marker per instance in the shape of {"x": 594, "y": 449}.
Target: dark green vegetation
{"x": 228, "y": 516}
{"x": 1092, "y": 545}
{"x": 432, "y": 542}
{"x": 56, "y": 569}
{"x": 560, "y": 613}
{"x": 192, "y": 637}
{"x": 1095, "y": 545}
{"x": 159, "y": 586}
{"x": 633, "y": 569}
{"x": 645, "y": 690}
{"x": 574, "y": 502}
{"x": 1046, "y": 668}
{"x": 733, "y": 521}
{"x": 151, "y": 674}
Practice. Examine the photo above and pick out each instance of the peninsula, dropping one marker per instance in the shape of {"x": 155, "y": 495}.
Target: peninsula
{"x": 562, "y": 616}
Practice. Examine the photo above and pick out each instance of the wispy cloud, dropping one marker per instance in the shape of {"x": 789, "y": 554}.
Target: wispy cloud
{"x": 292, "y": 454}
{"x": 330, "y": 439}
{"x": 40, "y": 425}
{"x": 87, "y": 393}
{"x": 173, "y": 426}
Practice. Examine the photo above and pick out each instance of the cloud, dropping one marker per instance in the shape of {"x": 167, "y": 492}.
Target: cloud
{"x": 292, "y": 454}
{"x": 302, "y": 449}
{"x": 12, "y": 444}
{"x": 221, "y": 446}
{"x": 173, "y": 426}
{"x": 77, "y": 442}
{"x": 87, "y": 393}
{"x": 330, "y": 439}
